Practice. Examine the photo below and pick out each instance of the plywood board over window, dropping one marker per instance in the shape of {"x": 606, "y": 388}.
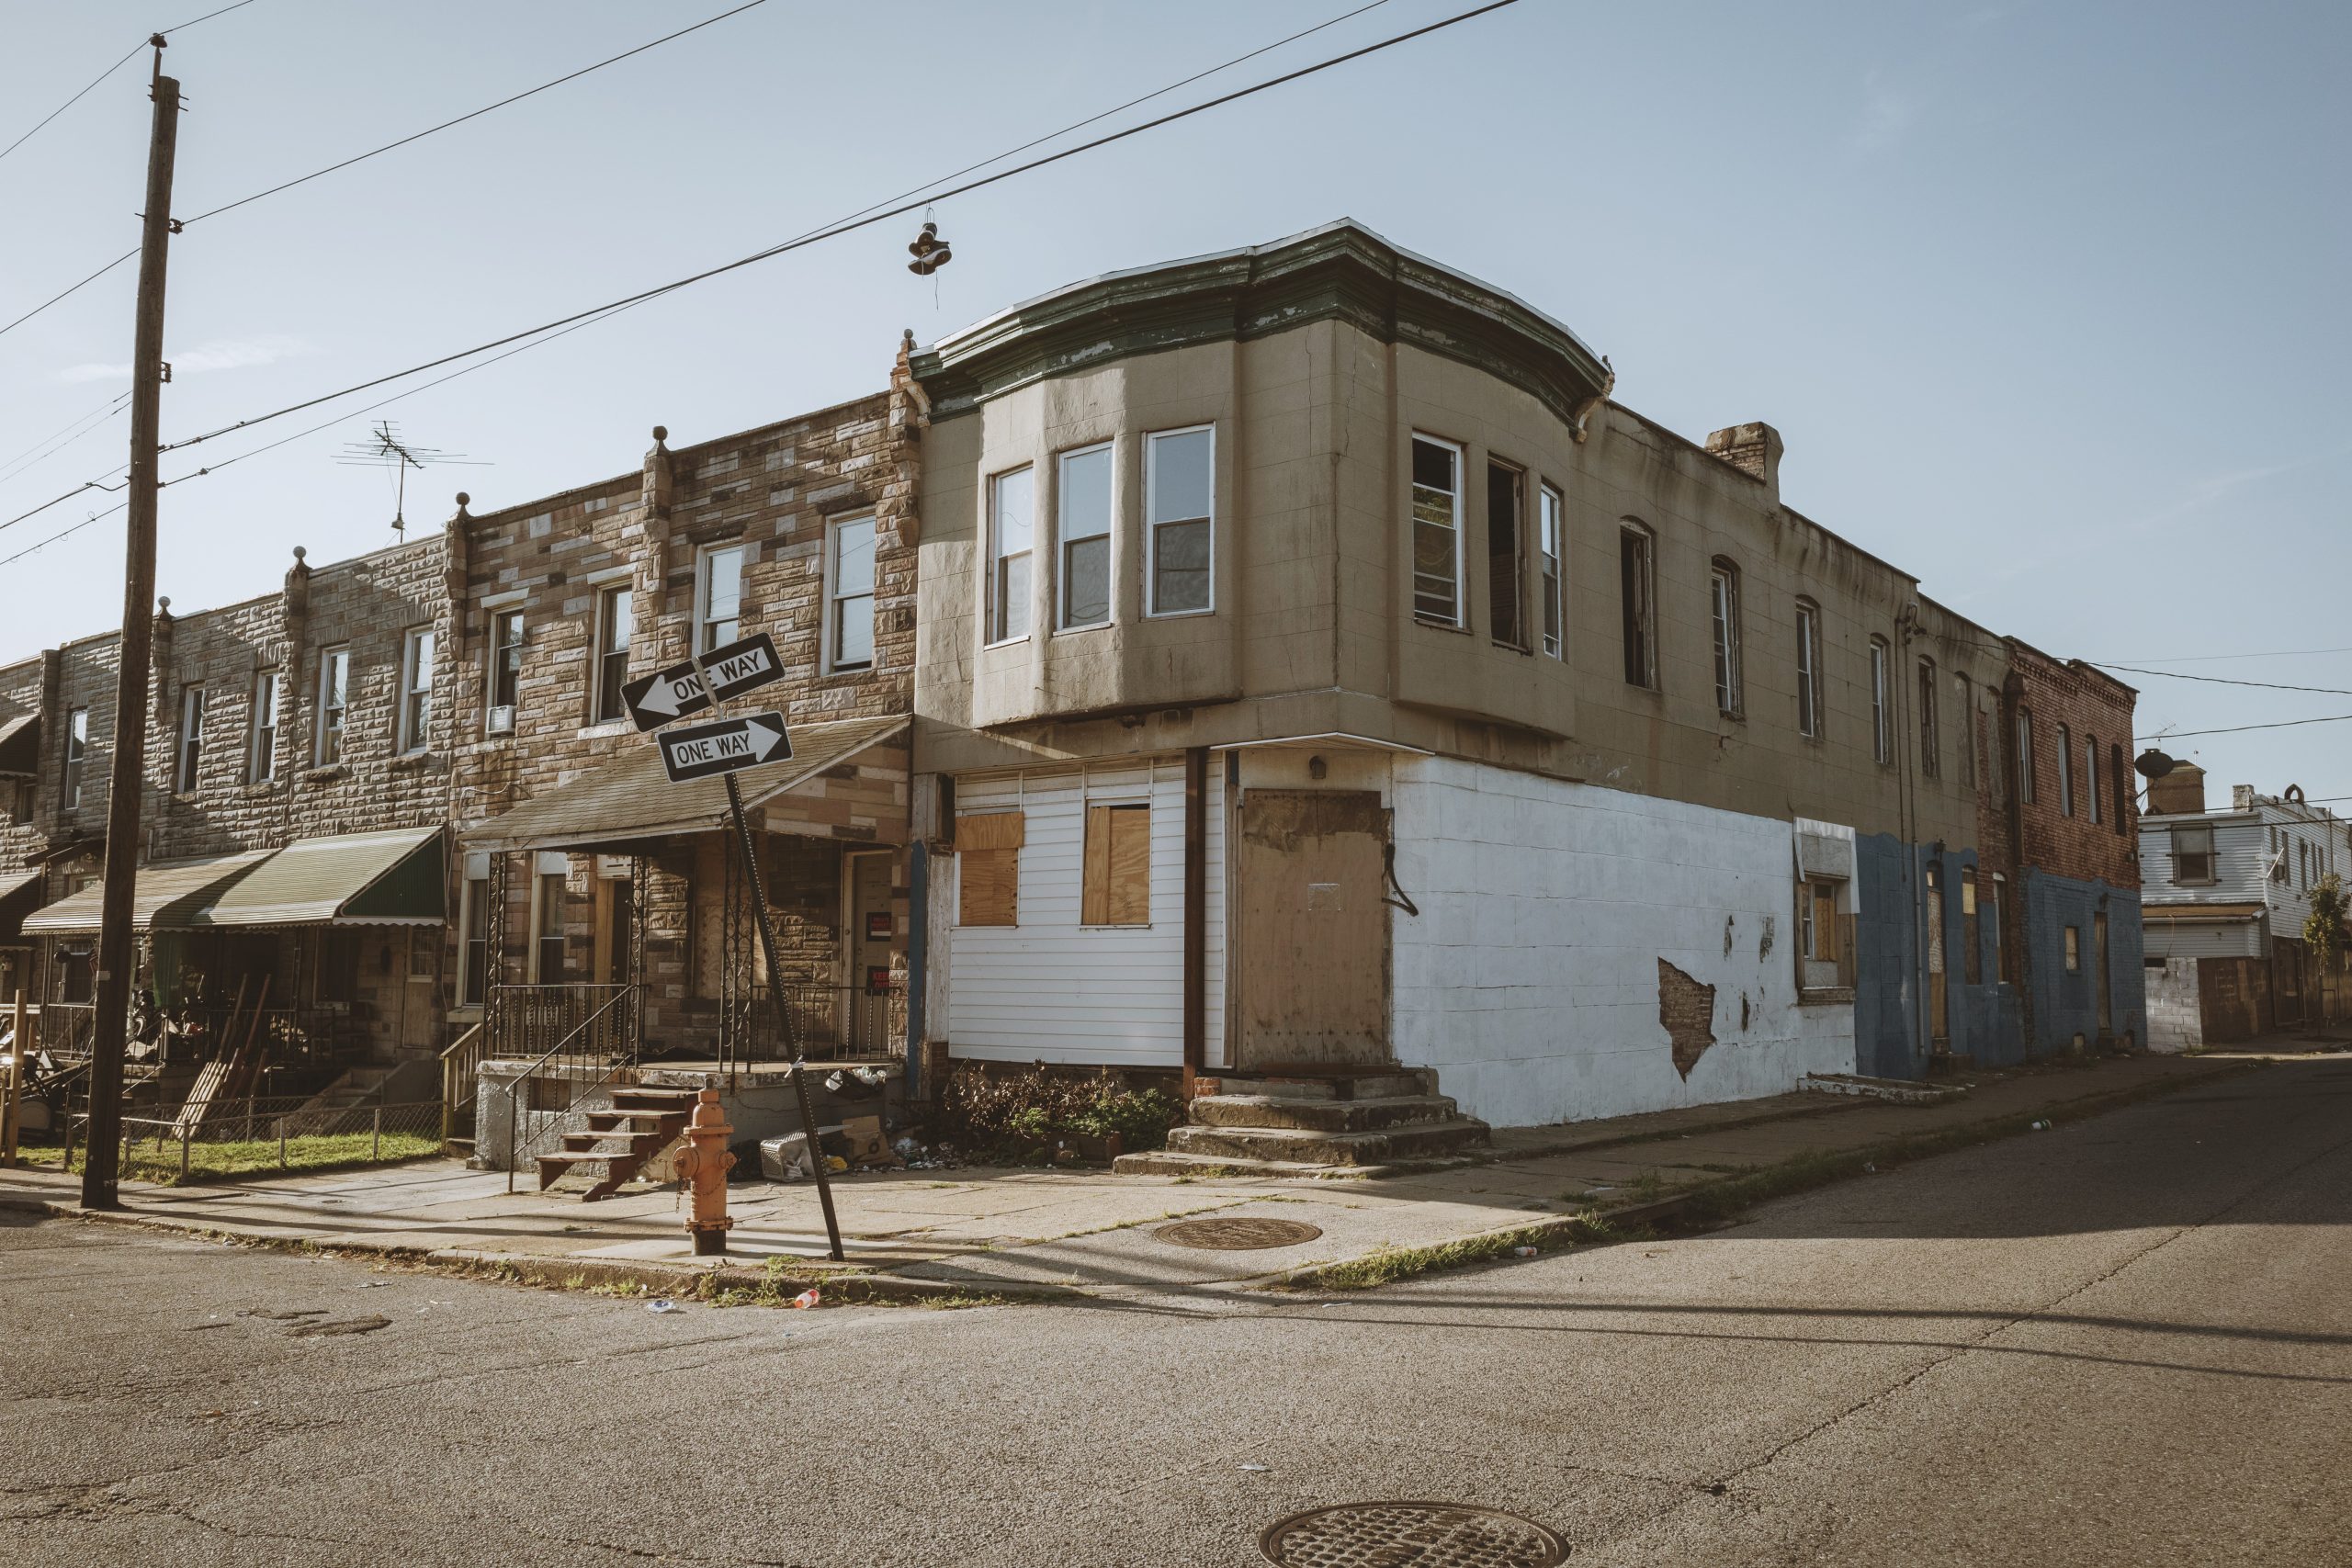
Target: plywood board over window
{"x": 1118, "y": 867}
{"x": 987, "y": 870}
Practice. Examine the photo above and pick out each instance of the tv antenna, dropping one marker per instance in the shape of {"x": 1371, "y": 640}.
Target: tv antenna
{"x": 390, "y": 450}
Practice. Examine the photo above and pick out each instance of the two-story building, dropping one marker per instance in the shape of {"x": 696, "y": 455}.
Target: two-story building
{"x": 2227, "y": 892}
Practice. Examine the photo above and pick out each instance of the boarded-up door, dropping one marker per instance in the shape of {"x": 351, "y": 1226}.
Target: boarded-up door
{"x": 1313, "y": 938}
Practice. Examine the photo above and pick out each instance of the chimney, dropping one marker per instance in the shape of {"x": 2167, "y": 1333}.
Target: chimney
{"x": 2179, "y": 793}
{"x": 1754, "y": 448}
{"x": 2241, "y": 797}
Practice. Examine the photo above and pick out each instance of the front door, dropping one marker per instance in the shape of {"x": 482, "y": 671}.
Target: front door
{"x": 2106, "y": 991}
{"x": 873, "y": 932}
{"x": 1313, "y": 942}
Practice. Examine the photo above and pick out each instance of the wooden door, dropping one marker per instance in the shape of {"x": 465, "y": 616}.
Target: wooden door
{"x": 1312, "y": 943}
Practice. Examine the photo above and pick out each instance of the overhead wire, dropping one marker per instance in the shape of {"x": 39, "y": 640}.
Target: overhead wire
{"x": 102, "y": 75}
{"x": 2224, "y": 679}
{"x": 2242, "y": 729}
{"x": 81, "y": 425}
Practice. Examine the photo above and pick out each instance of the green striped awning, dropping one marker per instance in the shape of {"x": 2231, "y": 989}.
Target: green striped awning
{"x": 165, "y": 893}
{"x": 351, "y": 879}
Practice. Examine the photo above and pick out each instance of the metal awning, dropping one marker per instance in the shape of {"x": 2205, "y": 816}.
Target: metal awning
{"x": 352, "y": 879}
{"x": 166, "y": 892}
{"x": 2202, "y": 912}
{"x": 628, "y": 797}
{"x": 18, "y": 889}
{"x": 20, "y": 745}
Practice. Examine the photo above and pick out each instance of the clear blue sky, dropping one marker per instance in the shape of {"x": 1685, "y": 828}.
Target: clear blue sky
{"x": 2048, "y": 300}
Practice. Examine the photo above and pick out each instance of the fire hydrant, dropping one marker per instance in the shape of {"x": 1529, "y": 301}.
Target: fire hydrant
{"x": 703, "y": 1165}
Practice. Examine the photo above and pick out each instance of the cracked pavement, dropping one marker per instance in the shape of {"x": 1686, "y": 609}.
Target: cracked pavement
{"x": 2124, "y": 1341}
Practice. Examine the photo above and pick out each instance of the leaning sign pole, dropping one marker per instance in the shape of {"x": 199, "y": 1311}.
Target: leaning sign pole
{"x": 726, "y": 747}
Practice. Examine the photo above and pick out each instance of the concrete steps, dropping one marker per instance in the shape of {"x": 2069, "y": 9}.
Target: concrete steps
{"x": 616, "y": 1143}
{"x": 1306, "y": 1122}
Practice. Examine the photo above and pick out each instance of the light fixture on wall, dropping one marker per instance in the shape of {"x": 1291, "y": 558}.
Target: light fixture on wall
{"x": 1317, "y": 767}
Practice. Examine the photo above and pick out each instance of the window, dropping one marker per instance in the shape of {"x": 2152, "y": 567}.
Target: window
{"x": 1993, "y": 928}
{"x": 1012, "y": 509}
{"x": 850, "y": 609}
{"x": 77, "y": 742}
{"x": 1971, "y": 954}
{"x": 269, "y": 688}
{"x": 615, "y": 622}
{"x": 719, "y": 598}
{"x": 547, "y": 925}
{"x": 1995, "y": 778}
{"x": 1637, "y": 603}
{"x": 2025, "y": 756}
{"x": 2090, "y": 774}
{"x": 192, "y": 757}
{"x": 1506, "y": 556}
{"x": 416, "y": 689}
{"x": 506, "y": 669}
{"x": 1179, "y": 482}
{"x": 1963, "y": 708}
{"x": 1551, "y": 543}
{"x": 1082, "y": 530}
{"x": 335, "y": 702}
{"x": 1818, "y": 911}
{"x": 1437, "y": 531}
{"x": 1882, "y": 733}
{"x": 988, "y": 868}
{"x": 1117, "y": 888}
{"x": 1808, "y": 669}
{"x": 1723, "y": 589}
{"x": 1931, "y": 746}
{"x": 2074, "y": 950}
{"x": 473, "y": 962}
{"x": 2121, "y": 782}
{"x": 2066, "y": 772}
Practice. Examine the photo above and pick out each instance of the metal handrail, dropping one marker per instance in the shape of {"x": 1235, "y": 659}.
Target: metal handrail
{"x": 514, "y": 1086}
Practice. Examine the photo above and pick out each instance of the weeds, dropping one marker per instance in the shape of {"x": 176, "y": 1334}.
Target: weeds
{"x": 1026, "y": 1116}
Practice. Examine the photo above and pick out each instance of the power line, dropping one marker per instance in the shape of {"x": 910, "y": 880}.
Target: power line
{"x": 26, "y": 458}
{"x": 387, "y": 147}
{"x": 2240, "y": 728}
{"x": 2209, "y": 658}
{"x": 866, "y": 221}
{"x": 102, "y": 75}
{"x": 2224, "y": 679}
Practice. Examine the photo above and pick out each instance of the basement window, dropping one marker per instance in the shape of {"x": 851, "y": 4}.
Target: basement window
{"x": 1506, "y": 556}
{"x": 988, "y": 868}
{"x": 1437, "y": 531}
{"x": 1118, "y": 890}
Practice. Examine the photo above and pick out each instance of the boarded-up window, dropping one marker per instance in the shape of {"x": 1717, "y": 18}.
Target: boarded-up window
{"x": 1118, "y": 867}
{"x": 988, "y": 872}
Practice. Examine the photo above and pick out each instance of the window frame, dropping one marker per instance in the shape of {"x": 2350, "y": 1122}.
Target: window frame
{"x": 474, "y": 911}
{"x": 1972, "y": 952}
{"x": 502, "y": 618}
{"x": 188, "y": 752}
{"x": 1932, "y": 741}
{"x": 837, "y": 603}
{"x": 1808, "y": 619}
{"x": 1152, "y": 526}
{"x": 333, "y": 657}
{"x": 1637, "y": 603}
{"x": 705, "y": 556}
{"x": 1104, "y": 915}
{"x": 1457, "y": 618}
{"x": 547, "y": 904}
{"x": 1516, "y": 600}
{"x": 1964, "y": 692}
{"x": 2066, "y": 772}
{"x": 1881, "y": 719}
{"x": 415, "y": 725}
{"x": 995, "y": 621}
{"x": 2074, "y": 950}
{"x": 1552, "y": 568}
{"x": 76, "y": 758}
{"x": 2027, "y": 794}
{"x": 989, "y": 832}
{"x": 1723, "y": 636}
{"x": 2090, "y": 776}
{"x": 611, "y": 597}
{"x": 269, "y": 716}
{"x": 1064, "y": 538}
{"x": 1991, "y": 902}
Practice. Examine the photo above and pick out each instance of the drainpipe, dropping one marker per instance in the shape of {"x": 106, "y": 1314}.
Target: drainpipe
{"x": 1906, "y": 626}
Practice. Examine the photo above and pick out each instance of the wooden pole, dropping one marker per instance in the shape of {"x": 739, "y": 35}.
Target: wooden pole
{"x": 126, "y": 775}
{"x": 12, "y": 1114}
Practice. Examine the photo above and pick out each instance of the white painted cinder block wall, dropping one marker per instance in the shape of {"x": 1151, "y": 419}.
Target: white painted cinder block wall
{"x": 1529, "y": 978}
{"x": 2176, "y": 1012}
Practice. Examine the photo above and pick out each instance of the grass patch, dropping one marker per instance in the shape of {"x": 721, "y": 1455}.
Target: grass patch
{"x": 144, "y": 1161}
{"x": 1387, "y": 1265}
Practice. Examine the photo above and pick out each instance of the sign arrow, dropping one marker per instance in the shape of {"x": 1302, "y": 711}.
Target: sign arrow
{"x": 742, "y": 666}
{"x": 723, "y": 746}
{"x": 674, "y": 693}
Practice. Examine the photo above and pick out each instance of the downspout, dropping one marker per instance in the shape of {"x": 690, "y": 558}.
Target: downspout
{"x": 1196, "y": 882}
{"x": 1906, "y": 626}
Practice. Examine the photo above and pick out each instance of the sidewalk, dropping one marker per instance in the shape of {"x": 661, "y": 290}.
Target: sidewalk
{"x": 909, "y": 1234}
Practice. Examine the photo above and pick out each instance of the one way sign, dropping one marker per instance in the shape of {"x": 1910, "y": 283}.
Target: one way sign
{"x": 701, "y": 751}
{"x": 675, "y": 693}
{"x": 741, "y": 667}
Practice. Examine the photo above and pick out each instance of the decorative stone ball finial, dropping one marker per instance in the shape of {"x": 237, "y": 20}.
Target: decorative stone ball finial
{"x": 661, "y": 434}
{"x": 300, "y": 552}
{"x": 464, "y": 500}
{"x": 164, "y": 603}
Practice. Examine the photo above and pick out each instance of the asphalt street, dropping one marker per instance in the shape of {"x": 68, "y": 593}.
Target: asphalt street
{"x": 2124, "y": 1341}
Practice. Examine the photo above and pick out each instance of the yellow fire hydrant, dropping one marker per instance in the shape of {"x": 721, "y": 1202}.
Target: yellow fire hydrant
{"x": 703, "y": 1165}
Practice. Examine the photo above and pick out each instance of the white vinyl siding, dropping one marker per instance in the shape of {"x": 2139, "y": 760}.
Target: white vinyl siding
{"x": 1052, "y": 989}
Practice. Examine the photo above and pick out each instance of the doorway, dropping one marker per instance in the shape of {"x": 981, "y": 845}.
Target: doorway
{"x": 1313, "y": 939}
{"x": 2100, "y": 978}
{"x": 1938, "y": 977}
{"x": 873, "y": 932}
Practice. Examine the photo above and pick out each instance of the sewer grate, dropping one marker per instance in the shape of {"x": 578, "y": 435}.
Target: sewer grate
{"x": 1242, "y": 1233}
{"x": 1410, "y": 1534}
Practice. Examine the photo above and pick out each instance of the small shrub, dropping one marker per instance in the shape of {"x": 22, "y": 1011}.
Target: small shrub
{"x": 1025, "y": 1115}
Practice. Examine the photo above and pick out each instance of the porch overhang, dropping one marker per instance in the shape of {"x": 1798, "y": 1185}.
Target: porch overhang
{"x": 20, "y": 746}
{"x": 165, "y": 893}
{"x": 17, "y": 890}
{"x": 391, "y": 878}
{"x": 628, "y": 798}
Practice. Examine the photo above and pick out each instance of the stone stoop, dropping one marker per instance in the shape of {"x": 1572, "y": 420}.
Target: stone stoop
{"x": 1312, "y": 1122}
{"x": 619, "y": 1142}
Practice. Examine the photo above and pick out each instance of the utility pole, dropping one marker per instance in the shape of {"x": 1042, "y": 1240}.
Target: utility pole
{"x": 127, "y": 775}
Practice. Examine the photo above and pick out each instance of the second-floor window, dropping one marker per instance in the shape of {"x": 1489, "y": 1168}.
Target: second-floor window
{"x": 1963, "y": 712}
{"x": 2066, "y": 772}
{"x": 1012, "y": 532}
{"x": 269, "y": 688}
{"x": 1637, "y": 603}
{"x": 192, "y": 757}
{"x": 335, "y": 702}
{"x": 1552, "y": 547}
{"x": 506, "y": 667}
{"x": 2025, "y": 757}
{"x": 1180, "y": 507}
{"x": 1931, "y": 745}
{"x": 1506, "y": 556}
{"x": 1437, "y": 531}
{"x": 719, "y": 598}
{"x": 416, "y": 689}
{"x": 1082, "y": 527}
{"x": 1881, "y": 731}
{"x": 77, "y": 742}
{"x": 2090, "y": 776}
{"x": 1808, "y": 669}
{"x": 2121, "y": 782}
{"x": 1722, "y": 589}
{"x": 849, "y": 609}
{"x": 615, "y": 621}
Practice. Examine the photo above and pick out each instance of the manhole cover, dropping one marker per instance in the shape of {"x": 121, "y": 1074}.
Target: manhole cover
{"x": 1410, "y": 1534}
{"x": 1239, "y": 1233}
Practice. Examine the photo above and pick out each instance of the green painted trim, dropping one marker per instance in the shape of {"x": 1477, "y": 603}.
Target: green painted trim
{"x": 1342, "y": 273}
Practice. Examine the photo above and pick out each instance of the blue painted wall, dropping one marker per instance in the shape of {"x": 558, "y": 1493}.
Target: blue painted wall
{"x": 2066, "y": 1005}
{"x": 1985, "y": 1020}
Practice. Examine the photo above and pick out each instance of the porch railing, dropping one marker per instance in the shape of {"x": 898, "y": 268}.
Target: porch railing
{"x": 587, "y": 1036}
{"x": 65, "y": 1030}
{"x": 460, "y": 1082}
{"x": 831, "y": 1022}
